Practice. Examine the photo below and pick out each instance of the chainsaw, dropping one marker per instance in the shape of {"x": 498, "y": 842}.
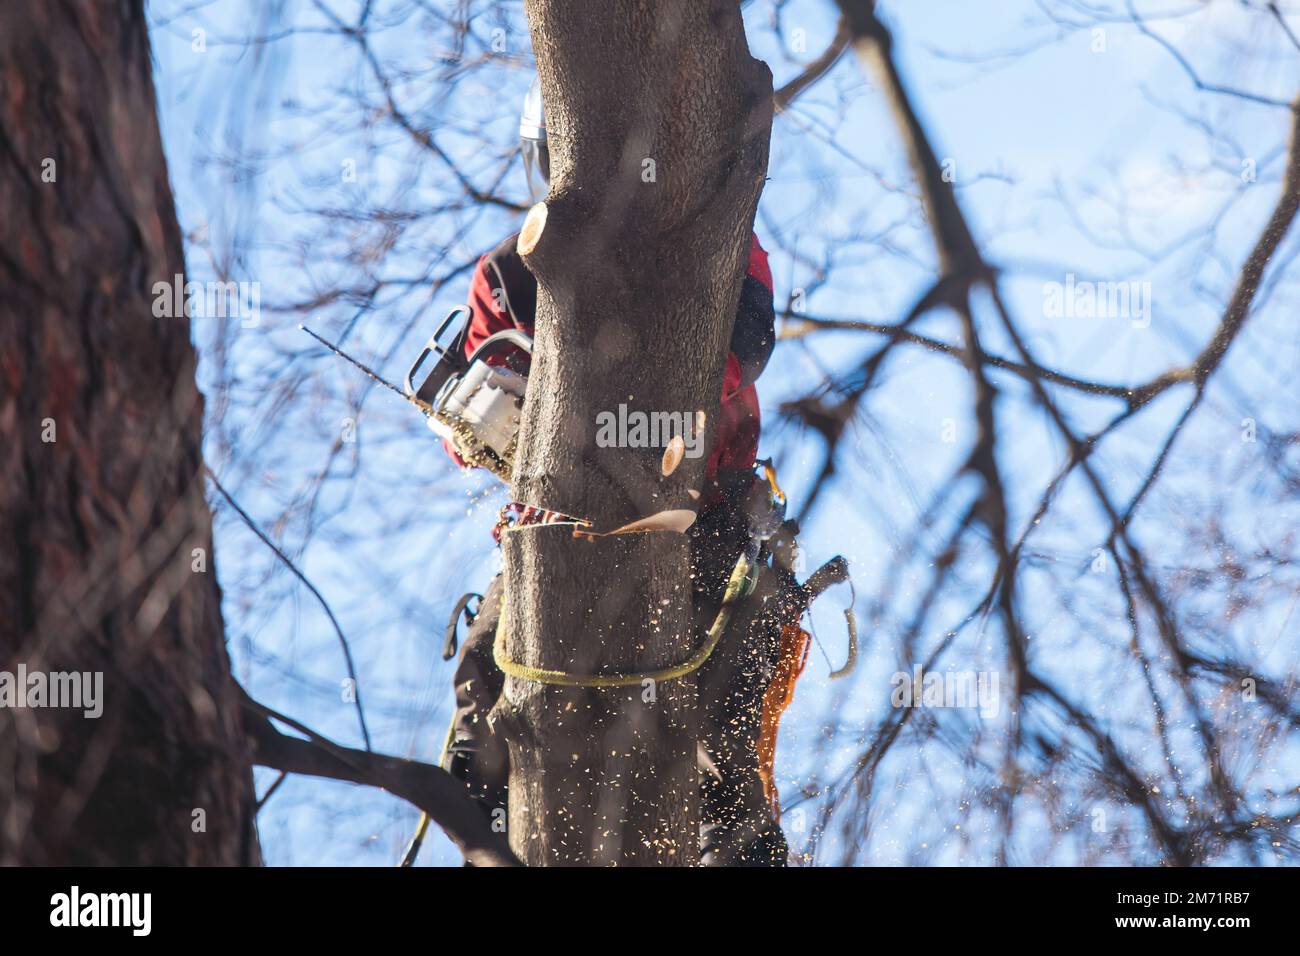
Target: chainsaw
{"x": 474, "y": 403}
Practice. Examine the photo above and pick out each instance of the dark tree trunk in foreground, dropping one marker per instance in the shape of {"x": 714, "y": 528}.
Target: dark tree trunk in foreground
{"x": 105, "y": 536}
{"x": 659, "y": 122}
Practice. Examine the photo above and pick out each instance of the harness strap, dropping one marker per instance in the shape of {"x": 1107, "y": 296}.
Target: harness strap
{"x": 517, "y": 514}
{"x": 462, "y": 607}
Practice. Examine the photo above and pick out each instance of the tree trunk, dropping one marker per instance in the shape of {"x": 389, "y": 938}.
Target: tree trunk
{"x": 106, "y": 555}
{"x": 659, "y": 121}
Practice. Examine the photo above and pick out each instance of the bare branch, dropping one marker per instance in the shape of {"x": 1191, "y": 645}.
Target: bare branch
{"x": 430, "y": 788}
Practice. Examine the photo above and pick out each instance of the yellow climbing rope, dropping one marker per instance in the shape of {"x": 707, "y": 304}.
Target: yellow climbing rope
{"x": 422, "y": 830}
{"x": 739, "y": 586}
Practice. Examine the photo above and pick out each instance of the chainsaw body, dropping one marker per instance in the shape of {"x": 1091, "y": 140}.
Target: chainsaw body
{"x": 475, "y": 403}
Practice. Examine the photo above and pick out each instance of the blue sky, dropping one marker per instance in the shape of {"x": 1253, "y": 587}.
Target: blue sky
{"x": 1047, "y": 142}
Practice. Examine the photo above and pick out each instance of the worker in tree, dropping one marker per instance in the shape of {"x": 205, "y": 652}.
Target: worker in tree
{"x": 738, "y": 804}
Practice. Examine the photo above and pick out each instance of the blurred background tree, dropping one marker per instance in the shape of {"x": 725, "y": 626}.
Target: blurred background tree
{"x": 1093, "y": 500}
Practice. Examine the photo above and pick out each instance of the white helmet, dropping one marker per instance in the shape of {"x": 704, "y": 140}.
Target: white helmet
{"x": 532, "y": 138}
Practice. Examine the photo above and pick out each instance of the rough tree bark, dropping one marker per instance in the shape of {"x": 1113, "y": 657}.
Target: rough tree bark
{"x": 659, "y": 121}
{"x": 101, "y": 483}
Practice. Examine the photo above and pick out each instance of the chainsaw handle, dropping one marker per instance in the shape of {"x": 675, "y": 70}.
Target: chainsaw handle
{"x": 407, "y": 385}
{"x": 516, "y": 337}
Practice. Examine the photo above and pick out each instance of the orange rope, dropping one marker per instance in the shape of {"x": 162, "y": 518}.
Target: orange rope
{"x": 780, "y": 692}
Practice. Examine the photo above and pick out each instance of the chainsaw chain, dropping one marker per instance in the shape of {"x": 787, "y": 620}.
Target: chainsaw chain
{"x": 473, "y": 452}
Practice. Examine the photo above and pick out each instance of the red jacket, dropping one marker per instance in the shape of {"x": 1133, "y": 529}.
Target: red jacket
{"x": 503, "y": 295}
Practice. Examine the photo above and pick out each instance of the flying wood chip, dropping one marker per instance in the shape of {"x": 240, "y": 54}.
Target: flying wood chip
{"x": 673, "y": 454}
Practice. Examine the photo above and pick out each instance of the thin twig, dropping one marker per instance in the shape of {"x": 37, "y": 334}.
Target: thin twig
{"x": 343, "y": 641}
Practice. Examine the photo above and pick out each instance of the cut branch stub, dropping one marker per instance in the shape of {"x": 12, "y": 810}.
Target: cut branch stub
{"x": 531, "y": 233}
